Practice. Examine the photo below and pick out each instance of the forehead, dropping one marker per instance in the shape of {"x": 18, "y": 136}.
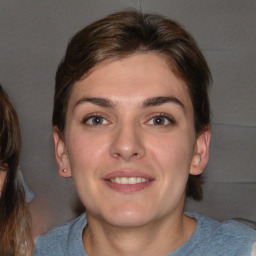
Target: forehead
{"x": 135, "y": 77}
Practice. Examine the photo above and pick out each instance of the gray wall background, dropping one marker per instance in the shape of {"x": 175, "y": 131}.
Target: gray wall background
{"x": 33, "y": 38}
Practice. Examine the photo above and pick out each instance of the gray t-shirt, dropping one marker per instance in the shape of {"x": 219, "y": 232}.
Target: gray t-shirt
{"x": 210, "y": 238}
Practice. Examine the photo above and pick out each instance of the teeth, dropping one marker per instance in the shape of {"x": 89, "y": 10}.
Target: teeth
{"x": 124, "y": 180}
{"x": 131, "y": 180}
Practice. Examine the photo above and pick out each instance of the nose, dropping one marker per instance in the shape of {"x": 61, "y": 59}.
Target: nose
{"x": 127, "y": 143}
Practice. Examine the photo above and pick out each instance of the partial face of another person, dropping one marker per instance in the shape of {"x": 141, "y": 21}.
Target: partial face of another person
{"x": 3, "y": 173}
{"x": 130, "y": 143}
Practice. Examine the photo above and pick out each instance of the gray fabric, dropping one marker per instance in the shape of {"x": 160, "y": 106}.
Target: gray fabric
{"x": 210, "y": 238}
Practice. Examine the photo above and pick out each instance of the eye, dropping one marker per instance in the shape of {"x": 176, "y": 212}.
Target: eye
{"x": 161, "y": 120}
{"x": 95, "y": 120}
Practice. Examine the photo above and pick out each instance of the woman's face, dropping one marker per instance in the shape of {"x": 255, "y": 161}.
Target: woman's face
{"x": 130, "y": 141}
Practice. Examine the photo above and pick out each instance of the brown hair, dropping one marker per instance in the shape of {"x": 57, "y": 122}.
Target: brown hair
{"x": 124, "y": 33}
{"x": 14, "y": 216}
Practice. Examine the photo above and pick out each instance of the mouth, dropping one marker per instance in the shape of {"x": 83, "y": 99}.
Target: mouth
{"x": 128, "y": 181}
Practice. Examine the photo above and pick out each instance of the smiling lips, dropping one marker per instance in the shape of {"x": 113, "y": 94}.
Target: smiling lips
{"x": 131, "y": 180}
{"x": 128, "y": 181}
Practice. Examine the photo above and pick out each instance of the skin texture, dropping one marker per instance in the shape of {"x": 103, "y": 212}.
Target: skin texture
{"x": 129, "y": 142}
{"x": 2, "y": 176}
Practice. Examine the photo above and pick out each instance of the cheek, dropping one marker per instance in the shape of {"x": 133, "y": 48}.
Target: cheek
{"x": 85, "y": 151}
{"x": 172, "y": 157}
{"x": 172, "y": 153}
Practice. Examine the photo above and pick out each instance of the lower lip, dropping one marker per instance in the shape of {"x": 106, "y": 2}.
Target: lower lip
{"x": 128, "y": 188}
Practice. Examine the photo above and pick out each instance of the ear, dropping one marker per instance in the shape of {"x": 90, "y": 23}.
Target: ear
{"x": 201, "y": 152}
{"x": 61, "y": 154}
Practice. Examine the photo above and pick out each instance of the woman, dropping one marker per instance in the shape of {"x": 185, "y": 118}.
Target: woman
{"x": 15, "y": 237}
{"x": 132, "y": 127}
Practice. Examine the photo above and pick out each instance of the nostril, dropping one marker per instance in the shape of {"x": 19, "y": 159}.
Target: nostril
{"x": 126, "y": 146}
{"x": 117, "y": 155}
{"x": 126, "y": 156}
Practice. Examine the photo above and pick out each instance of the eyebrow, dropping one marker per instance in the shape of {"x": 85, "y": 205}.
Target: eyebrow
{"x": 102, "y": 102}
{"x": 150, "y": 102}
{"x": 157, "y": 101}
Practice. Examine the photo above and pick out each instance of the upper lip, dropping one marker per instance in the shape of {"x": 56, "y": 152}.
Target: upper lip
{"x": 127, "y": 173}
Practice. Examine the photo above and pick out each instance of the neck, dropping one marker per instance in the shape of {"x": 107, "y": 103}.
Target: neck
{"x": 160, "y": 238}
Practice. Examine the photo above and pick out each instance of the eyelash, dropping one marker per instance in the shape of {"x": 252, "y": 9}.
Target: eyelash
{"x": 169, "y": 119}
{"x": 91, "y": 116}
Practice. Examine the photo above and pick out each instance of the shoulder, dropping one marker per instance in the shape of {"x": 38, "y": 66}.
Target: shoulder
{"x": 236, "y": 237}
{"x": 226, "y": 238}
{"x": 229, "y": 228}
{"x": 237, "y": 230}
{"x": 61, "y": 239}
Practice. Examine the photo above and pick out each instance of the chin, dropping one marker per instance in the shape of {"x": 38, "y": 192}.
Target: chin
{"x": 128, "y": 217}
{"x": 122, "y": 222}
